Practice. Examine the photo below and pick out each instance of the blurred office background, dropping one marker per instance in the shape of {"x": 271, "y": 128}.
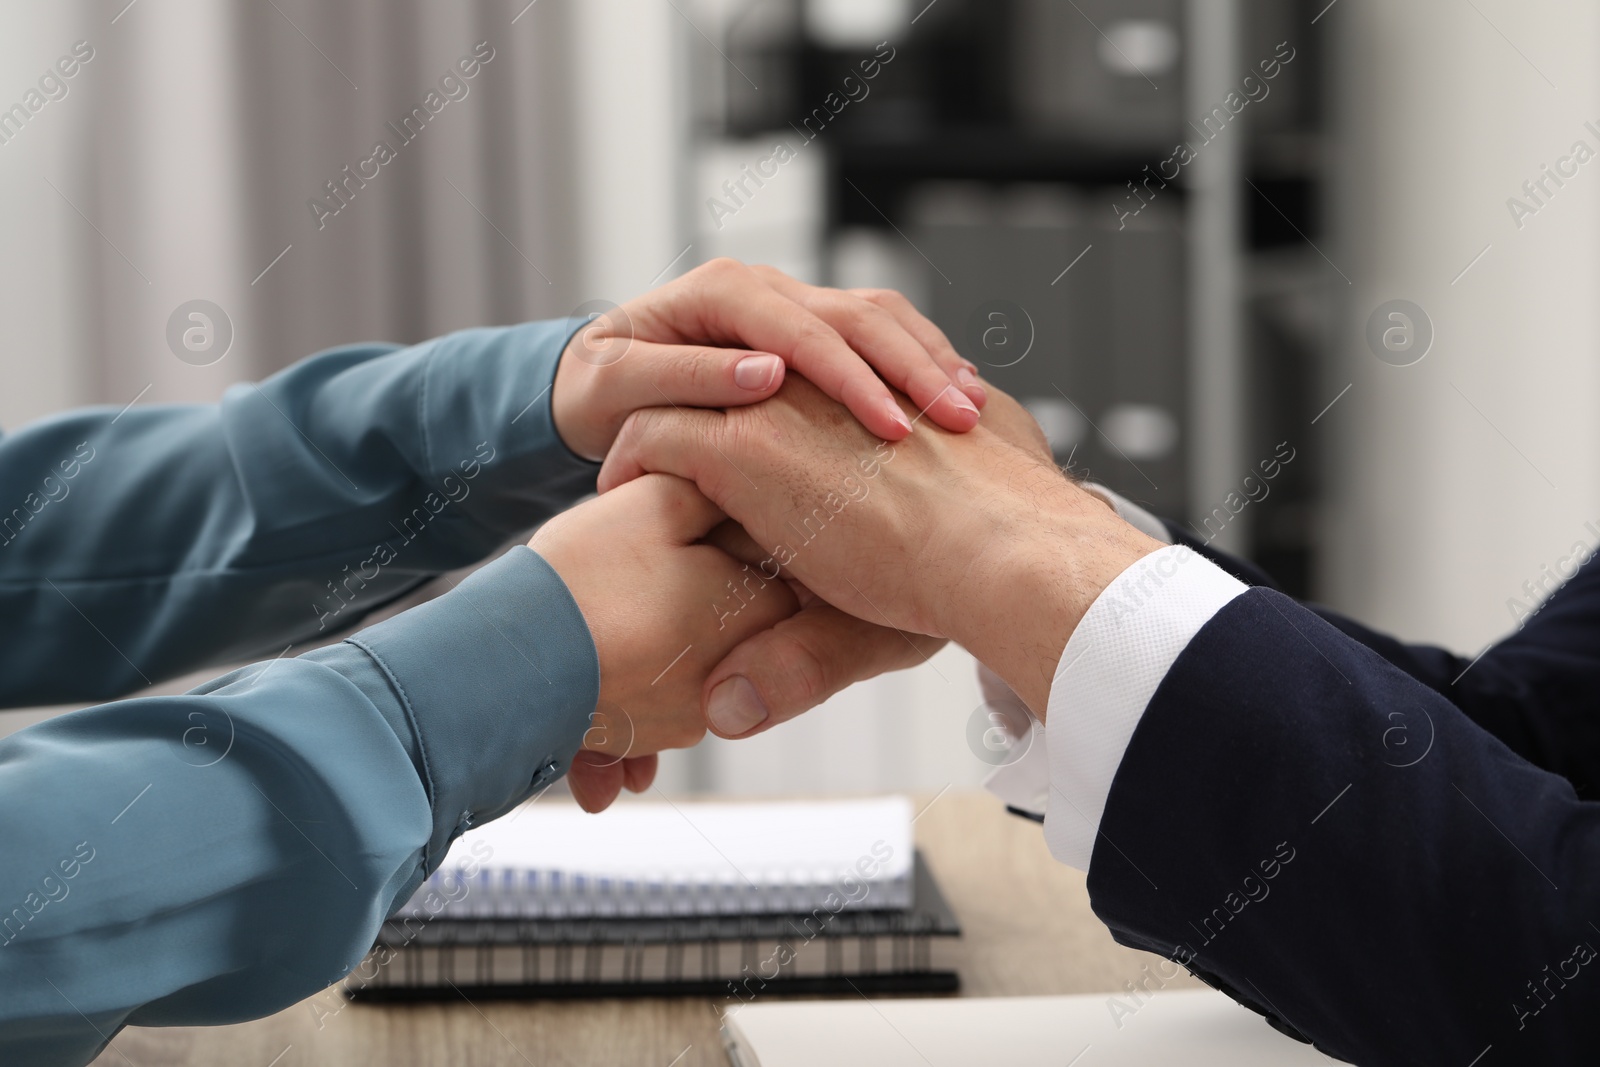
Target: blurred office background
{"x": 1174, "y": 322}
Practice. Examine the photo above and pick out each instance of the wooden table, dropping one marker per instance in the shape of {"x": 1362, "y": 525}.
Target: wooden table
{"x": 1026, "y": 924}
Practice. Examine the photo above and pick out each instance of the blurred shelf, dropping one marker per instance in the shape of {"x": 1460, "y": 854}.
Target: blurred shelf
{"x": 990, "y": 154}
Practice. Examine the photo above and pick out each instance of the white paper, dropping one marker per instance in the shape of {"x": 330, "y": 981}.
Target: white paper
{"x": 1170, "y": 1028}
{"x": 680, "y": 858}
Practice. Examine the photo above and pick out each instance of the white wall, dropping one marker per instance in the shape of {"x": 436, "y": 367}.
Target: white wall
{"x": 630, "y": 106}
{"x": 1442, "y": 500}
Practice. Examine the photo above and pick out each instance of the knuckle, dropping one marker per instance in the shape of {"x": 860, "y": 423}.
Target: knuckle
{"x": 804, "y": 672}
{"x": 883, "y": 298}
{"x": 643, "y": 430}
{"x": 745, "y": 431}
{"x": 815, "y": 333}
{"x": 724, "y": 266}
{"x": 635, "y": 428}
{"x": 703, "y": 370}
{"x": 861, "y": 316}
{"x": 757, "y": 426}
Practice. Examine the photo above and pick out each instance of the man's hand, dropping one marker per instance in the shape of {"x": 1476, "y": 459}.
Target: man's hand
{"x": 649, "y": 593}
{"x": 969, "y": 536}
{"x": 789, "y": 669}
{"x": 723, "y": 336}
{"x": 783, "y": 672}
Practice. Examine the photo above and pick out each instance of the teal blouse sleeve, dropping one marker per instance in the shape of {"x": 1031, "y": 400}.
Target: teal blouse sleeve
{"x": 216, "y": 856}
{"x": 146, "y": 543}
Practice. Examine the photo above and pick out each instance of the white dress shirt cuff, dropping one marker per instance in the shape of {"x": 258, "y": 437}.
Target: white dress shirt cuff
{"x": 1112, "y": 665}
{"x": 1023, "y": 781}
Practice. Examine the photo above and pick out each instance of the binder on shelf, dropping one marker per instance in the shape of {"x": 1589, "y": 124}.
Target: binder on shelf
{"x": 856, "y": 913}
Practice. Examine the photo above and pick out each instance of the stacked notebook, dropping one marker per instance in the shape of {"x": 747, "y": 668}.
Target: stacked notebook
{"x": 673, "y": 899}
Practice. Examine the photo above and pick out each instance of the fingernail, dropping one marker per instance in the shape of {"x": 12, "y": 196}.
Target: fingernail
{"x": 963, "y": 402}
{"x": 968, "y": 381}
{"x": 896, "y": 416}
{"x": 736, "y": 707}
{"x": 756, "y": 373}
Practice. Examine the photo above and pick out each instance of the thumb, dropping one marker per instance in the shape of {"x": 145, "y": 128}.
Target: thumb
{"x": 800, "y": 662}
{"x": 696, "y": 376}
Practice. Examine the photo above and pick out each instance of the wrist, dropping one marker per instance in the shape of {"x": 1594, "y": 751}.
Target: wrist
{"x": 1048, "y": 561}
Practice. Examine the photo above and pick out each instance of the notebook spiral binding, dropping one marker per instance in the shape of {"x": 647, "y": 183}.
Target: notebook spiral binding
{"x": 907, "y": 949}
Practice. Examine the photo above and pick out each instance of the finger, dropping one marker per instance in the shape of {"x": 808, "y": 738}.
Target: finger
{"x": 695, "y": 376}
{"x": 961, "y": 370}
{"x": 668, "y": 441}
{"x": 736, "y": 541}
{"x": 800, "y": 662}
{"x": 738, "y": 307}
{"x": 886, "y": 345}
{"x": 639, "y": 772}
{"x": 679, "y": 511}
{"x": 733, "y": 539}
{"x": 595, "y": 781}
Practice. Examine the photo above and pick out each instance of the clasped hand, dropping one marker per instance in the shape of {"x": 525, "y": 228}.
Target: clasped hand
{"x": 760, "y": 545}
{"x": 723, "y": 335}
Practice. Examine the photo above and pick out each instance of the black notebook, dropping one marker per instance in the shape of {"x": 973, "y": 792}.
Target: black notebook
{"x": 587, "y": 939}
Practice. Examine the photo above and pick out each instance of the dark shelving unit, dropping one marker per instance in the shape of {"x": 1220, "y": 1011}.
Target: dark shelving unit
{"x": 998, "y": 144}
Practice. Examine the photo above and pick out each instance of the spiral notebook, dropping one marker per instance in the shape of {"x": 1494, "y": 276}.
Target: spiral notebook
{"x": 659, "y": 859}
{"x": 674, "y": 899}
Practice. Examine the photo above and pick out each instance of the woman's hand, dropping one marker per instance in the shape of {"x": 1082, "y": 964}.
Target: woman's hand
{"x": 656, "y": 602}
{"x": 724, "y": 335}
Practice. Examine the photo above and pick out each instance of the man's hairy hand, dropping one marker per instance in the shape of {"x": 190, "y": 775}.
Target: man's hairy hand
{"x": 946, "y": 535}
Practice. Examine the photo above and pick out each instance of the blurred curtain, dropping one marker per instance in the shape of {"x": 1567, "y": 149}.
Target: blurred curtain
{"x": 182, "y": 162}
{"x": 177, "y": 164}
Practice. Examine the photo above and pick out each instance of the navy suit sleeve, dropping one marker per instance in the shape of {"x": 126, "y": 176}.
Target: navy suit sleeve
{"x": 1339, "y": 846}
{"x": 1534, "y": 690}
